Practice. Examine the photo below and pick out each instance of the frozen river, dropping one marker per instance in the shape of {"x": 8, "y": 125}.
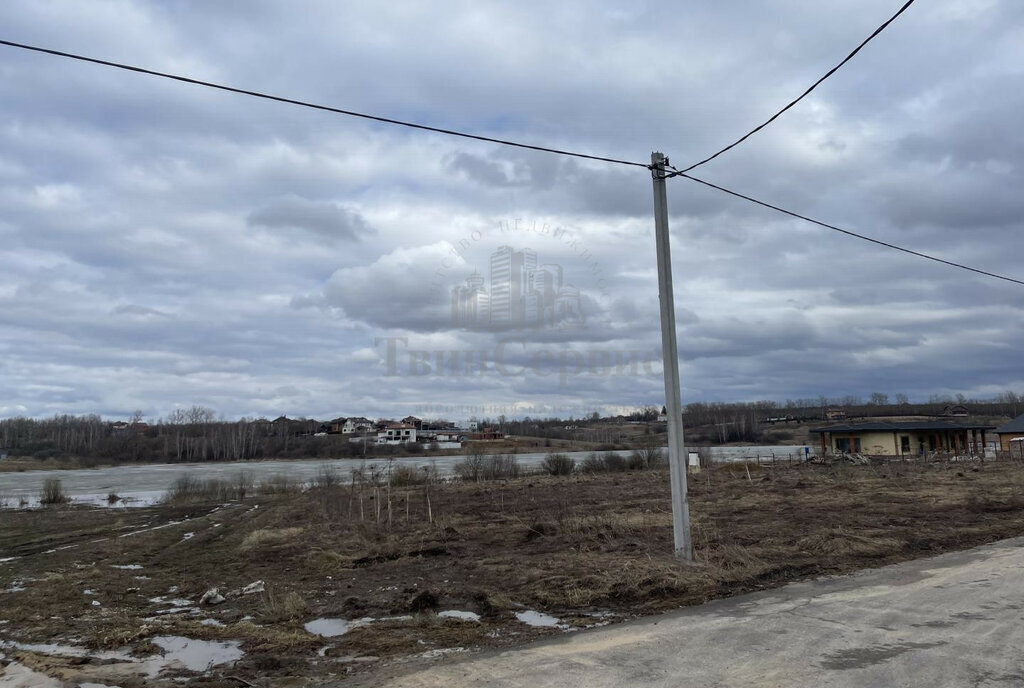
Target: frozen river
{"x": 139, "y": 485}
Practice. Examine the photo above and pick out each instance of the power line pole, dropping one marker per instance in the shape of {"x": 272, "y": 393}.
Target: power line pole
{"x": 670, "y": 356}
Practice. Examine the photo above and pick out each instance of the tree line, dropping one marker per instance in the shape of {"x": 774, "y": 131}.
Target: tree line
{"x": 188, "y": 435}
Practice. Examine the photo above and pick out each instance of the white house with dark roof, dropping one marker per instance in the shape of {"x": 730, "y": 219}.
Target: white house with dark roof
{"x": 356, "y": 424}
{"x": 396, "y": 433}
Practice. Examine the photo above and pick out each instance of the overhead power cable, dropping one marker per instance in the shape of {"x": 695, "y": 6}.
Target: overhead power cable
{"x": 669, "y": 172}
{"x": 803, "y": 95}
{"x": 327, "y": 108}
{"x": 844, "y": 231}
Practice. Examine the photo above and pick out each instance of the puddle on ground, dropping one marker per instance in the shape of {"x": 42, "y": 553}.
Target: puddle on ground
{"x": 539, "y": 620}
{"x": 20, "y": 676}
{"x": 194, "y": 655}
{"x": 58, "y": 650}
{"x": 455, "y": 614}
{"x": 197, "y": 655}
{"x": 333, "y": 627}
{"x": 328, "y": 628}
{"x": 126, "y": 567}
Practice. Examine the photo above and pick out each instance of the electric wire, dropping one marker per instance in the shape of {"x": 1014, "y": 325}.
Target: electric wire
{"x": 847, "y": 232}
{"x": 315, "y": 106}
{"x": 803, "y": 95}
{"x": 665, "y": 172}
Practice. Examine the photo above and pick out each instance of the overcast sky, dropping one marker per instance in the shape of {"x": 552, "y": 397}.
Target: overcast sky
{"x": 163, "y": 245}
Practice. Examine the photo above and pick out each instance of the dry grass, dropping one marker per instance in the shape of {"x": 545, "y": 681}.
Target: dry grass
{"x": 288, "y": 607}
{"x": 566, "y": 545}
{"x": 271, "y": 542}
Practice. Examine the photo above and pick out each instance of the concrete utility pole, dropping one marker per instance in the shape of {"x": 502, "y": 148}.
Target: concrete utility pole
{"x": 670, "y": 356}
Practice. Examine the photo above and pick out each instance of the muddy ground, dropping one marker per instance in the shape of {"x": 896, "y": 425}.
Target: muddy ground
{"x": 580, "y": 550}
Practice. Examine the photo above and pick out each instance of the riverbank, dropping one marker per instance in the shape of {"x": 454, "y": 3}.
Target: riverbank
{"x": 507, "y": 445}
{"x": 142, "y": 485}
{"x": 355, "y": 577}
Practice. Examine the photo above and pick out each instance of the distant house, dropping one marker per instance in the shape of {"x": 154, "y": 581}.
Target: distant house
{"x": 956, "y": 410}
{"x": 291, "y": 426}
{"x": 483, "y": 434}
{"x": 909, "y": 438}
{"x": 356, "y": 424}
{"x": 396, "y": 433}
{"x": 1011, "y": 436}
{"x": 835, "y": 414}
{"x": 3, "y": 454}
{"x": 121, "y": 426}
{"x": 336, "y": 426}
{"x": 413, "y": 421}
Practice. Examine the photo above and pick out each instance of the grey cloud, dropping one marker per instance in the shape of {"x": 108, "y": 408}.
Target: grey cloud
{"x": 328, "y": 220}
{"x": 280, "y": 242}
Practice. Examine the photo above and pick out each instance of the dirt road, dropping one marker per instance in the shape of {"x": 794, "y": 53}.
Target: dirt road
{"x": 951, "y": 620}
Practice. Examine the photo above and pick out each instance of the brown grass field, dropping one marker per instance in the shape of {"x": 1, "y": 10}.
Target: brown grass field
{"x": 586, "y": 549}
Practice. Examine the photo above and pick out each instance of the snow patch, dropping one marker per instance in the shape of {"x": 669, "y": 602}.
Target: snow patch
{"x": 539, "y": 620}
{"x": 463, "y": 616}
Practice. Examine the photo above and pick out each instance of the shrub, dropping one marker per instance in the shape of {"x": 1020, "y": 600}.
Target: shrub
{"x": 188, "y": 488}
{"x": 609, "y": 462}
{"x": 53, "y": 492}
{"x": 279, "y": 484}
{"x": 636, "y": 462}
{"x": 479, "y": 466}
{"x": 615, "y": 463}
{"x": 558, "y": 464}
{"x": 243, "y": 484}
{"x": 113, "y": 498}
{"x": 326, "y": 478}
{"x": 594, "y": 463}
{"x": 403, "y": 476}
{"x": 652, "y": 457}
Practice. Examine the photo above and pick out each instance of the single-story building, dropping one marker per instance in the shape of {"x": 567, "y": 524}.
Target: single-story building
{"x": 903, "y": 438}
{"x": 1011, "y": 436}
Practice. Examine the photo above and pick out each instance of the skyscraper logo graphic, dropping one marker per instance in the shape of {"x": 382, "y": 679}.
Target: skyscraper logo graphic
{"x": 522, "y": 293}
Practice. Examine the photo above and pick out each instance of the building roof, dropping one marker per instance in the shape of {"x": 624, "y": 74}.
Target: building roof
{"x": 1015, "y": 425}
{"x": 905, "y": 426}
